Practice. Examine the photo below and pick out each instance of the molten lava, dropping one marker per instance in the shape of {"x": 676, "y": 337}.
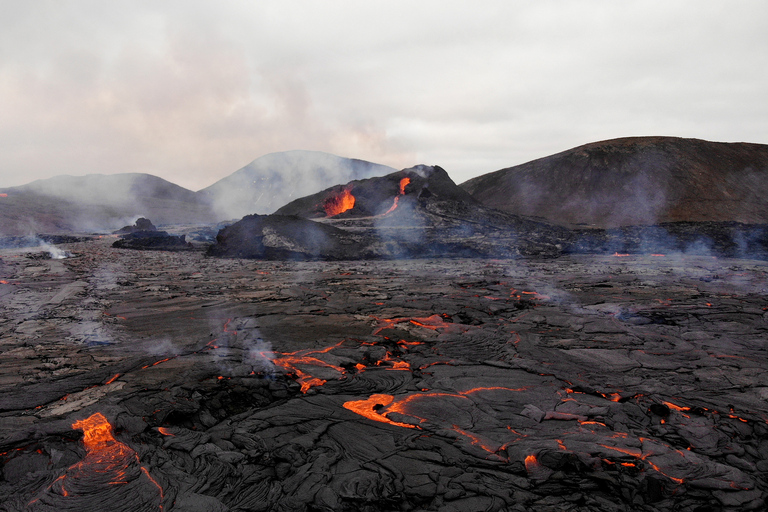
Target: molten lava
{"x": 403, "y": 183}
{"x": 290, "y": 362}
{"x": 337, "y": 204}
{"x": 110, "y": 472}
{"x": 531, "y": 463}
{"x": 368, "y": 409}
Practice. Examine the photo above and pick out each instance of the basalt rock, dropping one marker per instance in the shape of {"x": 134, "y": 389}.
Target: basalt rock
{"x": 141, "y": 224}
{"x": 584, "y": 383}
{"x": 153, "y": 241}
{"x": 286, "y": 237}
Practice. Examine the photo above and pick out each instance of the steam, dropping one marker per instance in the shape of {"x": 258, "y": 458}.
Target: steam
{"x": 274, "y": 180}
{"x": 240, "y": 349}
{"x": 54, "y": 252}
{"x": 98, "y": 203}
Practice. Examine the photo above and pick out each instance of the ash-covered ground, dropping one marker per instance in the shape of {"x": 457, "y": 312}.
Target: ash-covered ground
{"x": 137, "y": 381}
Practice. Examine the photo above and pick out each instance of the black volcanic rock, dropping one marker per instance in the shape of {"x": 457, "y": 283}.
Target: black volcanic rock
{"x": 633, "y": 181}
{"x": 274, "y": 179}
{"x": 141, "y": 224}
{"x": 153, "y": 241}
{"x": 722, "y": 239}
{"x": 286, "y": 237}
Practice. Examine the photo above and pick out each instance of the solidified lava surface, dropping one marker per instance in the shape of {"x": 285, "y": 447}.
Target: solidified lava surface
{"x": 171, "y": 381}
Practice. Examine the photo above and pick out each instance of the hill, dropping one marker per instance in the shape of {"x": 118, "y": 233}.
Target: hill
{"x": 273, "y": 180}
{"x": 635, "y": 181}
{"x": 96, "y": 202}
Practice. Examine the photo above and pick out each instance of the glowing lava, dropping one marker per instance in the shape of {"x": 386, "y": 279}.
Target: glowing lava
{"x": 337, "y": 204}
{"x": 291, "y": 361}
{"x": 403, "y": 183}
{"x": 109, "y": 473}
{"x": 531, "y": 463}
{"x": 368, "y": 409}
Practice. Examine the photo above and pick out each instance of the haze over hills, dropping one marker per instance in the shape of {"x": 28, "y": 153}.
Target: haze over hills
{"x": 619, "y": 182}
{"x": 273, "y": 180}
{"x": 635, "y": 181}
{"x": 96, "y": 202}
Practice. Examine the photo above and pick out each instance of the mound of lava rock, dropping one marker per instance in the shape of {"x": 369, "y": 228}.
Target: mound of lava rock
{"x": 286, "y": 237}
{"x": 633, "y": 181}
{"x": 141, "y": 224}
{"x": 416, "y": 212}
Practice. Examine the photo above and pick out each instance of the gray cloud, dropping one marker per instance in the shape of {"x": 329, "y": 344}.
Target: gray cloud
{"x": 192, "y": 91}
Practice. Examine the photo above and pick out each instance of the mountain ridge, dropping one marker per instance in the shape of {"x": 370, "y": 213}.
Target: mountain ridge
{"x": 635, "y": 181}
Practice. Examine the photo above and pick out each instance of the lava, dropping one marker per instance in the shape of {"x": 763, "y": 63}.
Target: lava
{"x": 368, "y": 409}
{"x": 531, "y": 463}
{"x": 339, "y": 203}
{"x": 290, "y": 361}
{"x": 403, "y": 183}
{"x": 107, "y": 463}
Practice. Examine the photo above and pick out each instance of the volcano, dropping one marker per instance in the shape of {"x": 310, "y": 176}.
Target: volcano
{"x": 416, "y": 212}
{"x": 635, "y": 181}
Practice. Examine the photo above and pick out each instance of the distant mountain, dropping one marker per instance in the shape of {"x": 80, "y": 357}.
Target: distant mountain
{"x": 273, "y": 180}
{"x": 96, "y": 202}
{"x": 635, "y": 181}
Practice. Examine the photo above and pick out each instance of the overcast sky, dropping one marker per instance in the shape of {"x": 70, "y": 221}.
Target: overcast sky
{"x": 191, "y": 91}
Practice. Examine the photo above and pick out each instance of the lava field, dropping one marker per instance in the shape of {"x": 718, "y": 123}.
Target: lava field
{"x": 146, "y": 381}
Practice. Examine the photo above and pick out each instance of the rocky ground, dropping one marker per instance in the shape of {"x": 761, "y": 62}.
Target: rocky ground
{"x": 148, "y": 380}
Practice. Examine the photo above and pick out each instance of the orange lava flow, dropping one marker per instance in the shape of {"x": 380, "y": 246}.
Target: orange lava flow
{"x": 113, "y": 379}
{"x": 337, "y": 204}
{"x": 403, "y": 183}
{"x": 644, "y": 457}
{"x": 291, "y": 360}
{"x": 368, "y": 409}
{"x": 98, "y": 434}
{"x": 165, "y": 431}
{"x": 531, "y": 463}
{"x": 107, "y": 463}
{"x": 3, "y": 195}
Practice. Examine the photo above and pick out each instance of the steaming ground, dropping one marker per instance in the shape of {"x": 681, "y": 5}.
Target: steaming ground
{"x": 578, "y": 383}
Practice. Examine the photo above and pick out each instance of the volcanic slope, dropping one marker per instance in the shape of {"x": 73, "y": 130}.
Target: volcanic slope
{"x": 416, "y": 212}
{"x": 635, "y": 181}
{"x": 272, "y": 180}
{"x": 96, "y": 202}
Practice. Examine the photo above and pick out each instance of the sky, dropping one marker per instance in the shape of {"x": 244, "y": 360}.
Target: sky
{"x": 191, "y": 91}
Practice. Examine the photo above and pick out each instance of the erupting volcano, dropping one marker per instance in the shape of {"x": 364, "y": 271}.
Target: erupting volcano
{"x": 340, "y": 203}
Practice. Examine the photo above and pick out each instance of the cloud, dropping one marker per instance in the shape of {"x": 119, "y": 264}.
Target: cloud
{"x": 191, "y": 91}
